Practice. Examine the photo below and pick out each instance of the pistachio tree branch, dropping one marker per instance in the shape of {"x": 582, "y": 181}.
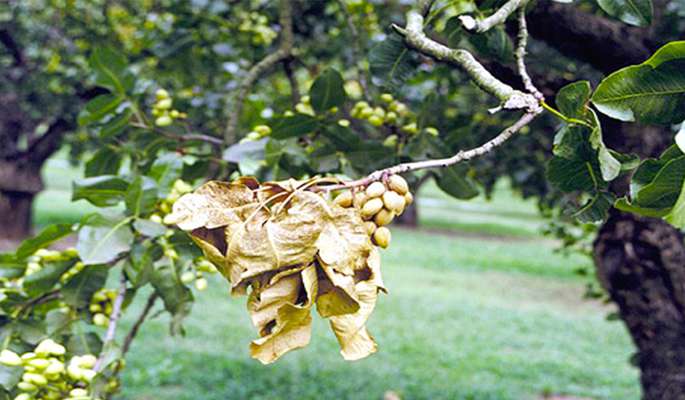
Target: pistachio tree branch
{"x": 112, "y": 326}
{"x": 417, "y": 39}
{"x": 136, "y": 326}
{"x": 463, "y": 155}
{"x": 520, "y": 55}
{"x": 283, "y": 52}
{"x": 498, "y": 17}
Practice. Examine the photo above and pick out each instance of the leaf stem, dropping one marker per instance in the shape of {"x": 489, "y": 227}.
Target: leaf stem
{"x": 564, "y": 118}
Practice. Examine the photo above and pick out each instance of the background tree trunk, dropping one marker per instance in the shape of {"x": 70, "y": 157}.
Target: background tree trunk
{"x": 19, "y": 183}
{"x": 15, "y": 214}
{"x": 641, "y": 263}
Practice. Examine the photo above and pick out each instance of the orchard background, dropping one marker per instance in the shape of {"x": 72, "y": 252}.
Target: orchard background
{"x": 536, "y": 251}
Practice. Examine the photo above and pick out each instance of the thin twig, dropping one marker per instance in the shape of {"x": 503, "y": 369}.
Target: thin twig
{"x": 141, "y": 318}
{"x": 498, "y": 17}
{"x": 47, "y": 297}
{"x": 461, "y": 156}
{"x": 520, "y": 55}
{"x": 182, "y": 138}
{"x": 284, "y": 51}
{"x": 292, "y": 80}
{"x": 112, "y": 326}
{"x": 417, "y": 39}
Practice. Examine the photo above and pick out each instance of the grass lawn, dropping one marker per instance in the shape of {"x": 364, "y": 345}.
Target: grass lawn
{"x": 466, "y": 318}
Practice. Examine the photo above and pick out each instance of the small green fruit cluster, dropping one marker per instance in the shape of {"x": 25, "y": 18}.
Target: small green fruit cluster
{"x": 305, "y": 106}
{"x": 257, "y": 25}
{"x": 196, "y": 273}
{"x": 101, "y": 305}
{"x": 47, "y": 376}
{"x": 378, "y": 205}
{"x": 391, "y": 112}
{"x": 179, "y": 188}
{"x": 258, "y": 132}
{"x": 162, "y": 109}
{"x": 41, "y": 257}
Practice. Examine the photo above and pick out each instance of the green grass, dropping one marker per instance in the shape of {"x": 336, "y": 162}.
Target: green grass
{"x": 54, "y": 205}
{"x": 485, "y": 310}
{"x": 464, "y": 319}
{"x": 504, "y": 215}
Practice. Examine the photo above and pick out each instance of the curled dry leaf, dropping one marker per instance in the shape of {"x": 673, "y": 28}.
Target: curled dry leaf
{"x": 290, "y": 248}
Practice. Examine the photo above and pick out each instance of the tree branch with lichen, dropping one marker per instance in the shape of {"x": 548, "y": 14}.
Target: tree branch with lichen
{"x": 283, "y": 52}
{"x": 520, "y": 55}
{"x": 498, "y": 17}
{"x": 417, "y": 39}
{"x": 510, "y": 97}
{"x": 461, "y": 156}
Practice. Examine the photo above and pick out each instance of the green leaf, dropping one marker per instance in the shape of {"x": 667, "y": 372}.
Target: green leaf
{"x": 141, "y": 196}
{"x": 10, "y": 376}
{"x": 676, "y": 216}
{"x": 57, "y": 321}
{"x": 102, "y": 239}
{"x": 140, "y": 266}
{"x": 571, "y": 141}
{"x": 101, "y": 191}
{"x": 148, "y": 228}
{"x": 293, "y": 126}
{"x": 177, "y": 297}
{"x": 98, "y": 108}
{"x": 572, "y": 99}
{"x": 609, "y": 165}
{"x": 115, "y": 125}
{"x": 327, "y": 91}
{"x": 105, "y": 161}
{"x": 570, "y": 175}
{"x": 596, "y": 209}
{"x": 46, "y": 278}
{"x": 342, "y": 138}
{"x": 632, "y": 12}
{"x": 453, "y": 32}
{"x": 624, "y": 204}
{"x": 651, "y": 92}
{"x": 664, "y": 189}
{"x": 110, "y": 70}
{"x": 248, "y": 155}
{"x": 88, "y": 343}
{"x": 453, "y": 181}
{"x": 275, "y": 150}
{"x": 166, "y": 170}
{"x": 46, "y": 237}
{"x": 391, "y": 62}
{"x": 494, "y": 44}
{"x": 79, "y": 290}
{"x": 11, "y": 267}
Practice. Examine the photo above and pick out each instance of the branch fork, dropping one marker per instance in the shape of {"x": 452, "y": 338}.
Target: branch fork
{"x": 530, "y": 101}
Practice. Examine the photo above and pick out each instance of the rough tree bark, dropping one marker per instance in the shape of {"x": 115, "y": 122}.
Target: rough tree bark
{"x": 641, "y": 263}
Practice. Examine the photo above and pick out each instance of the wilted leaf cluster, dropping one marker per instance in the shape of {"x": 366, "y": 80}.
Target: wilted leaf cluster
{"x": 288, "y": 248}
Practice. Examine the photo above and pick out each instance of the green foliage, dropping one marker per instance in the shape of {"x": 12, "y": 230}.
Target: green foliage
{"x": 327, "y": 91}
{"x": 633, "y": 12}
{"x": 391, "y": 62}
{"x": 652, "y": 92}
